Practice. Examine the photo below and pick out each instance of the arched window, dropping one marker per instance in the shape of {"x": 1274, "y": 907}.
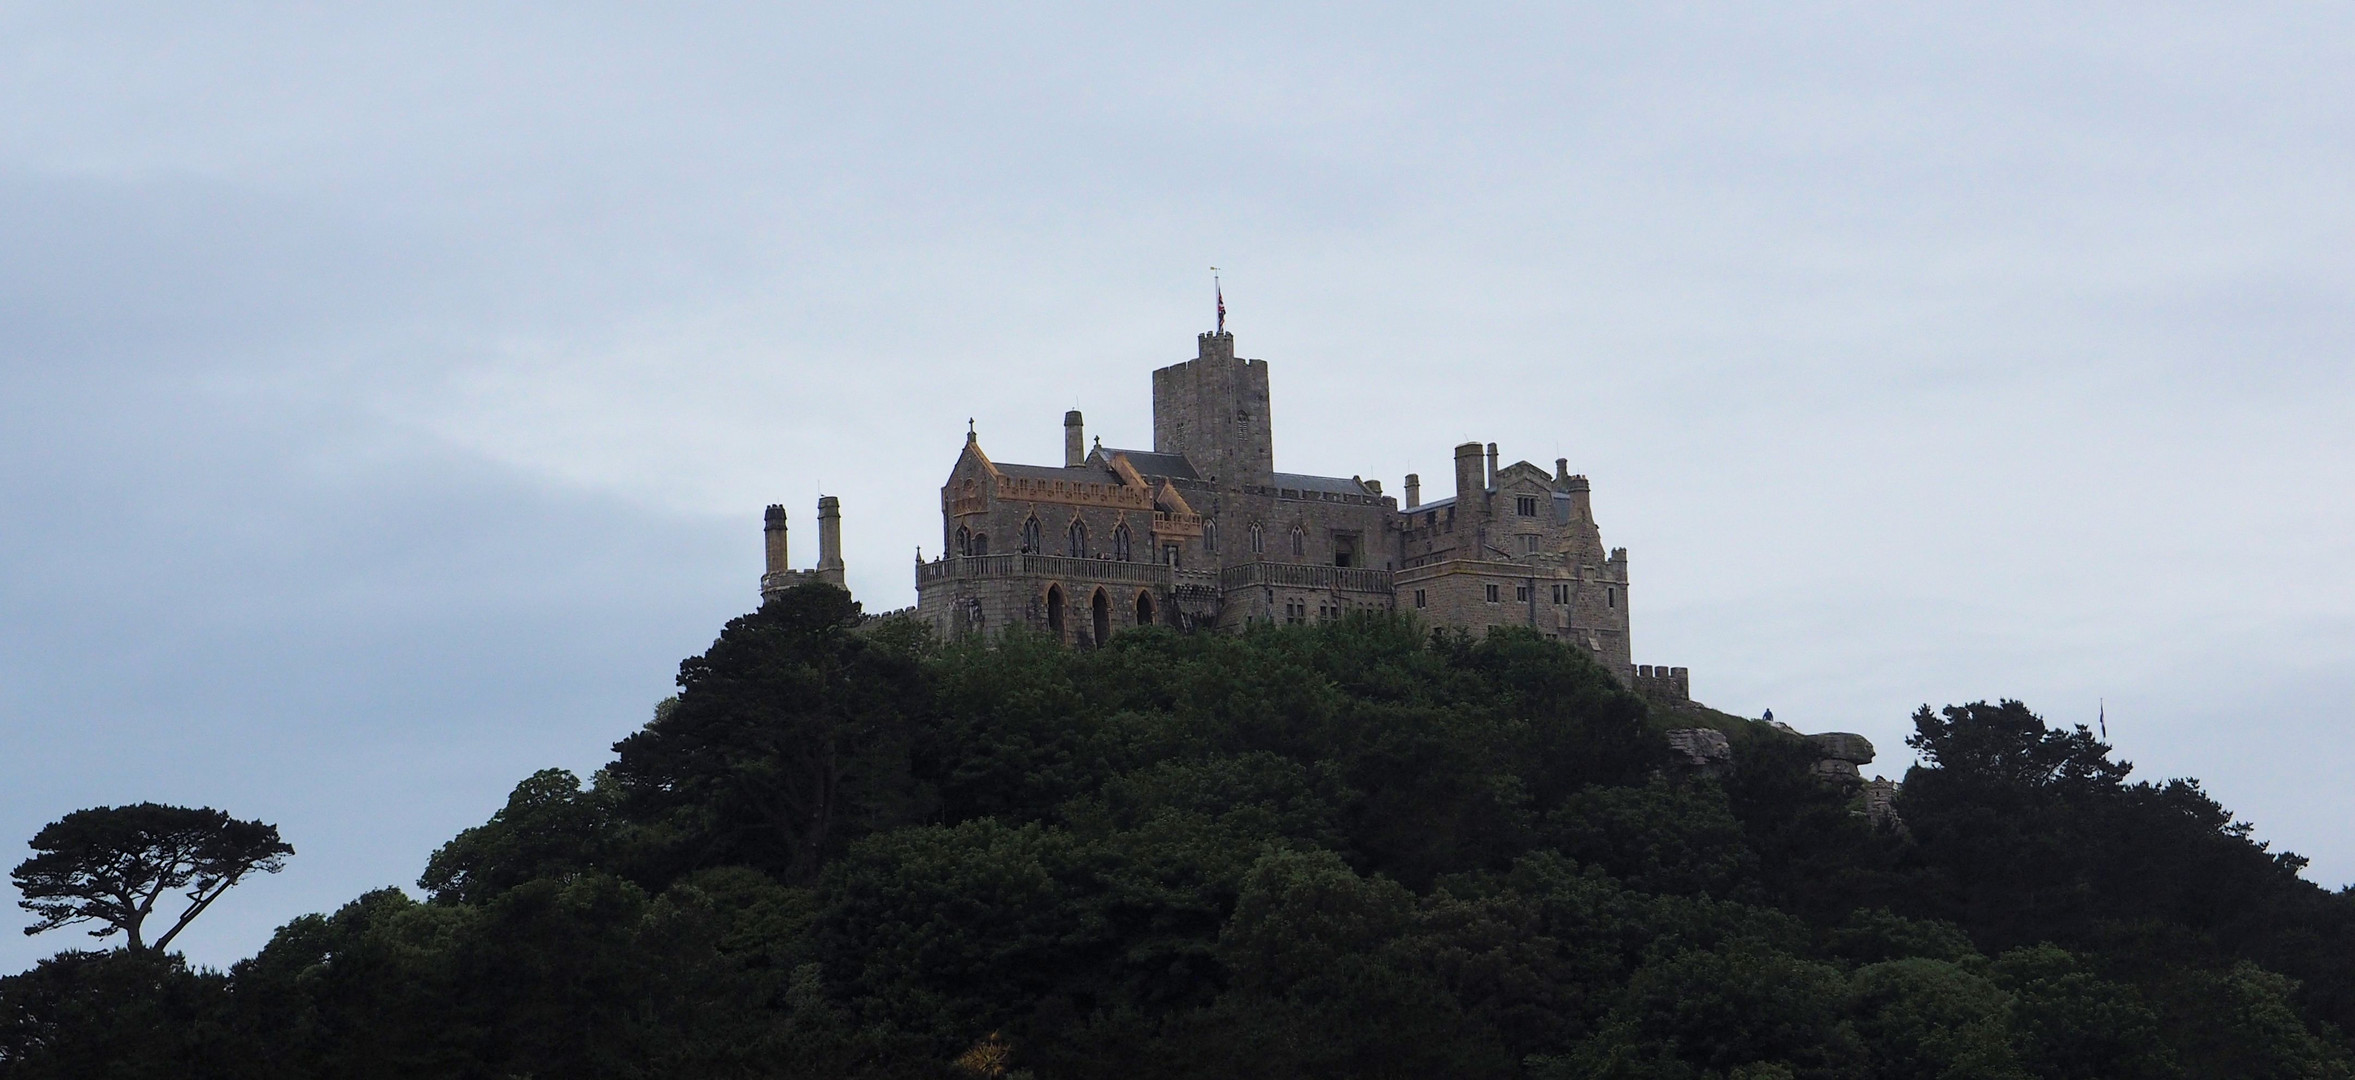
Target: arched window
{"x": 981, "y": 543}
{"x": 1144, "y": 609}
{"x": 1120, "y": 542}
{"x": 1030, "y": 537}
{"x": 1055, "y": 611}
{"x": 1258, "y": 539}
{"x": 1210, "y": 536}
{"x": 964, "y": 541}
{"x": 1299, "y": 541}
{"x": 1078, "y": 539}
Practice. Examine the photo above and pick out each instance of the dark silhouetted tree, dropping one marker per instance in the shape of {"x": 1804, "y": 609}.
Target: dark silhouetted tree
{"x": 112, "y": 864}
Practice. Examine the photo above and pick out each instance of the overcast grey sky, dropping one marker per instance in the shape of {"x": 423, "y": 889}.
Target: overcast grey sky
{"x": 392, "y": 391}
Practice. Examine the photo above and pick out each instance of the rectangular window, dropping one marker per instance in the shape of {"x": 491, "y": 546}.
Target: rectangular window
{"x": 1610, "y": 598}
{"x": 1419, "y": 598}
{"x": 1529, "y": 544}
{"x": 1561, "y": 594}
{"x": 1525, "y": 505}
{"x": 1520, "y": 594}
{"x": 1169, "y": 553}
{"x": 1491, "y": 593}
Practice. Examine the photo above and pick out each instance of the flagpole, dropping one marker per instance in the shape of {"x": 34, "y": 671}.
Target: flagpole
{"x": 1219, "y": 297}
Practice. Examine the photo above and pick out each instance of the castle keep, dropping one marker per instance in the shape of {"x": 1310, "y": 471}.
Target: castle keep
{"x": 1201, "y": 531}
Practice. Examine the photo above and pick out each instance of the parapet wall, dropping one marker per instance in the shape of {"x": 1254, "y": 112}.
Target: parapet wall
{"x": 1661, "y": 683}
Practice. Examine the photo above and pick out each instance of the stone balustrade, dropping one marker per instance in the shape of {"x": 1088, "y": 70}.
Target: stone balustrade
{"x": 1307, "y": 576}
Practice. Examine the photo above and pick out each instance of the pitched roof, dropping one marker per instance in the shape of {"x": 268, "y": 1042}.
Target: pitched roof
{"x": 1338, "y": 485}
{"x": 1091, "y": 474}
{"x": 1153, "y": 464}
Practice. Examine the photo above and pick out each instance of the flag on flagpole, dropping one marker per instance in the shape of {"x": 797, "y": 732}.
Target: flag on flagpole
{"x": 1221, "y": 293}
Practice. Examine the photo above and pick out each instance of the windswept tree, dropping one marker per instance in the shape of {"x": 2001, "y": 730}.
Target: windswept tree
{"x": 112, "y": 864}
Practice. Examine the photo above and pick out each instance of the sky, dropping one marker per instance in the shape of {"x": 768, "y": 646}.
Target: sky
{"x": 389, "y": 393}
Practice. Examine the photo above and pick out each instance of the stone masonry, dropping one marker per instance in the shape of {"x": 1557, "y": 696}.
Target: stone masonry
{"x": 1202, "y": 532}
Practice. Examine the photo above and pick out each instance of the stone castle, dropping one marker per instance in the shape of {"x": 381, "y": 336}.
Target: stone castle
{"x": 1201, "y": 531}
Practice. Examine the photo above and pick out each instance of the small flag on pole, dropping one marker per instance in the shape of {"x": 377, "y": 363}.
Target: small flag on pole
{"x": 1219, "y": 292}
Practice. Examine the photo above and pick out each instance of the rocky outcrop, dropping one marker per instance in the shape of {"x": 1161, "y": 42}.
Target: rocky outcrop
{"x": 1838, "y": 753}
{"x": 1703, "y": 750}
{"x": 1843, "y": 746}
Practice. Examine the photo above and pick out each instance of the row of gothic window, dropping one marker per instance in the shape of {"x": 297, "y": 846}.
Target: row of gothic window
{"x": 970, "y": 543}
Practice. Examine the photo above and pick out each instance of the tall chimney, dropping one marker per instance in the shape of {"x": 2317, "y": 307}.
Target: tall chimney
{"x": 1468, "y": 480}
{"x": 773, "y": 530}
{"x": 830, "y": 540}
{"x": 1561, "y": 471}
{"x": 1414, "y": 491}
{"x": 1075, "y": 445}
{"x": 1492, "y": 466}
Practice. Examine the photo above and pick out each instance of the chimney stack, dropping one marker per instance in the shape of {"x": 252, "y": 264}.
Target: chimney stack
{"x": 1468, "y": 485}
{"x": 1561, "y": 471}
{"x": 1075, "y": 444}
{"x": 1414, "y": 490}
{"x": 773, "y": 530}
{"x": 830, "y": 540}
{"x": 1492, "y": 466}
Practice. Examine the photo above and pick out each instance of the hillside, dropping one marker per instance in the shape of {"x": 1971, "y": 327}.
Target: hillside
{"x": 1357, "y": 849}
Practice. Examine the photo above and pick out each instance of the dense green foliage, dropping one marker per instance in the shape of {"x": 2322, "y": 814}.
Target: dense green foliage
{"x": 1359, "y": 849}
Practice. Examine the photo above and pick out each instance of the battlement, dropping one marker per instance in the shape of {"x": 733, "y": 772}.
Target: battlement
{"x": 1661, "y": 683}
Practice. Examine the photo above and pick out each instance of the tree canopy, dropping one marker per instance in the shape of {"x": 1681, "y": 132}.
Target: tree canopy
{"x": 112, "y": 864}
{"x": 1354, "y": 849}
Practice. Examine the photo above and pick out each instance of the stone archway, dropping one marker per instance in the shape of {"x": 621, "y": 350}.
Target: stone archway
{"x": 1055, "y": 611}
{"x": 1102, "y": 617}
{"x": 1144, "y": 609}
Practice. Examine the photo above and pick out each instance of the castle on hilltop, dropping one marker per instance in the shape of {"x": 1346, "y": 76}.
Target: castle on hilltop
{"x": 1202, "y": 532}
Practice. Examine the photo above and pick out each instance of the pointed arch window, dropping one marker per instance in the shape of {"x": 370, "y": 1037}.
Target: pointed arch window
{"x": 1299, "y": 541}
{"x": 1210, "y": 536}
{"x": 1120, "y": 542}
{"x": 1030, "y": 537}
{"x": 1258, "y": 539}
{"x": 964, "y": 541}
{"x": 1077, "y": 539}
{"x": 980, "y": 543}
